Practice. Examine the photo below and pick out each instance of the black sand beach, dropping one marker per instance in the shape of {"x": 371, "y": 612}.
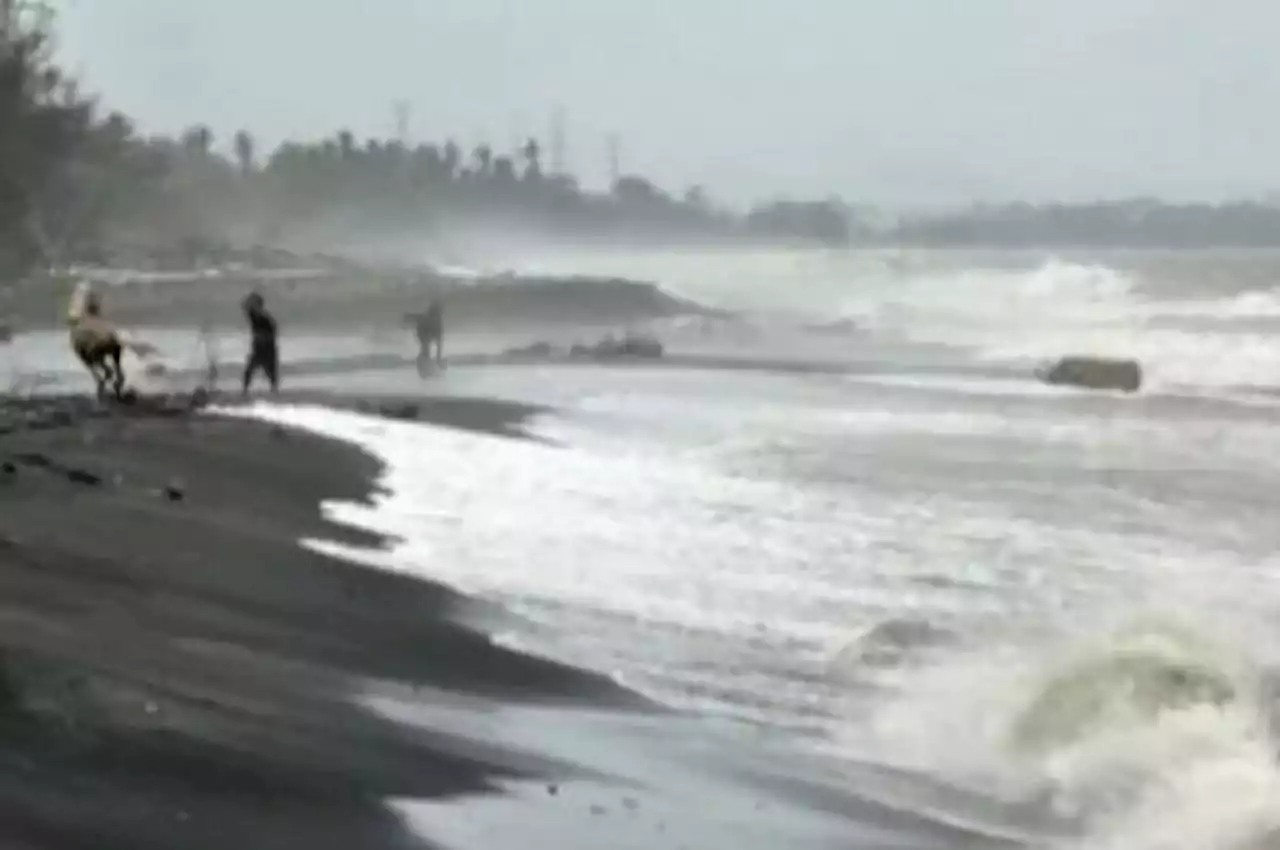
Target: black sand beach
{"x": 177, "y": 671}
{"x": 176, "y": 667}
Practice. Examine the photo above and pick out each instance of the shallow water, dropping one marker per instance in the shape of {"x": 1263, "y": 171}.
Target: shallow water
{"x": 893, "y": 566}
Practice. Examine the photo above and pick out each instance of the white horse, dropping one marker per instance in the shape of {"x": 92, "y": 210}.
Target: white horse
{"x": 96, "y": 341}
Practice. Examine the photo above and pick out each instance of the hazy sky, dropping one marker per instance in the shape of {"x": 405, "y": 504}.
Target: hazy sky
{"x": 898, "y": 101}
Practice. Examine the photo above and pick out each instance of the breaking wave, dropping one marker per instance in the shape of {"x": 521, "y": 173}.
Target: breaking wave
{"x": 1152, "y": 737}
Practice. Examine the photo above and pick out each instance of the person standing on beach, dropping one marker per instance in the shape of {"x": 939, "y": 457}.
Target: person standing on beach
{"x": 263, "y": 353}
{"x": 429, "y": 327}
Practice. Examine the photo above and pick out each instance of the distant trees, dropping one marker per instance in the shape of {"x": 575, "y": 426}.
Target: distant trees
{"x": 45, "y": 133}
{"x": 1133, "y": 223}
{"x": 344, "y": 181}
{"x": 75, "y": 183}
{"x": 246, "y": 153}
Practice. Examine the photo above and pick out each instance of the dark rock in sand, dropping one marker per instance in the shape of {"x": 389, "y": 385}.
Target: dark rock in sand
{"x": 1097, "y": 373}
{"x": 407, "y": 411}
{"x": 34, "y": 459}
{"x": 83, "y": 476}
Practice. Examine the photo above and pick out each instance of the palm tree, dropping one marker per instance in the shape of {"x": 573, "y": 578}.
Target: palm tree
{"x": 198, "y": 140}
{"x": 116, "y": 131}
{"x": 346, "y": 144}
{"x": 532, "y": 152}
{"x": 245, "y": 152}
{"x": 484, "y": 159}
{"x": 452, "y": 158}
{"x": 504, "y": 171}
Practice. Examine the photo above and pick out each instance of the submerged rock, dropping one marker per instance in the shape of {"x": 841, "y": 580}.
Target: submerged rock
{"x": 1096, "y": 373}
{"x": 610, "y": 348}
{"x": 537, "y": 349}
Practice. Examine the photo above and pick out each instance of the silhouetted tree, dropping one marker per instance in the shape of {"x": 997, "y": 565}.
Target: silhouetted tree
{"x": 245, "y": 152}
{"x": 346, "y": 144}
{"x": 44, "y": 126}
{"x": 532, "y": 153}
{"x": 452, "y": 158}
{"x": 483, "y": 156}
{"x": 198, "y": 140}
{"x": 504, "y": 172}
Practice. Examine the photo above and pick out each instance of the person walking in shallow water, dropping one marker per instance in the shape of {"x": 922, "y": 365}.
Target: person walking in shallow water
{"x": 263, "y": 352}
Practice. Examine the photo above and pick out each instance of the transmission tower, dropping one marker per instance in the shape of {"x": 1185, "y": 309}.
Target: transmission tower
{"x": 558, "y": 164}
{"x": 402, "y": 122}
{"x": 614, "y": 166}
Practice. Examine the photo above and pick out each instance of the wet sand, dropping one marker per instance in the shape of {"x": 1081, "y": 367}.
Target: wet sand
{"x": 176, "y": 668}
{"x": 176, "y": 671}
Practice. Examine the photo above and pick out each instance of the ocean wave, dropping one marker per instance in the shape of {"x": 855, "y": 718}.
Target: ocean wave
{"x": 1021, "y": 318}
{"x": 1152, "y": 735}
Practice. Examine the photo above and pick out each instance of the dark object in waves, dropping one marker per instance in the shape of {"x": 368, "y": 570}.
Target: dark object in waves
{"x": 1095, "y": 373}
{"x": 534, "y": 350}
{"x": 627, "y": 347}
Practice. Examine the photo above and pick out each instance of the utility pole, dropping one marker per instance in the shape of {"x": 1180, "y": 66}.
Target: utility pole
{"x": 402, "y": 122}
{"x": 558, "y": 164}
{"x": 614, "y": 168}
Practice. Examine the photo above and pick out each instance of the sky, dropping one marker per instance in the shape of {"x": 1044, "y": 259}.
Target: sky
{"x": 888, "y": 102}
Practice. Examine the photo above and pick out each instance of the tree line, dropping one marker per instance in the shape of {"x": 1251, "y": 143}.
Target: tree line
{"x": 1127, "y": 223}
{"x": 80, "y": 182}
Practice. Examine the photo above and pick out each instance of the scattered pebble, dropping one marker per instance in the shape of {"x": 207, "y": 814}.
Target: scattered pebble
{"x": 174, "y": 492}
{"x": 553, "y": 789}
{"x": 597, "y": 810}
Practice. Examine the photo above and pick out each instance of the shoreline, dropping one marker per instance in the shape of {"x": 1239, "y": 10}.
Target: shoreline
{"x": 176, "y": 672}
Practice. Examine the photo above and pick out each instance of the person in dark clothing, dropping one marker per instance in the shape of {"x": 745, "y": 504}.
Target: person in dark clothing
{"x": 263, "y": 353}
{"x": 429, "y": 328}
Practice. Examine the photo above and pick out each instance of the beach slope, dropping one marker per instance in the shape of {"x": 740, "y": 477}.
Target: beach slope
{"x": 176, "y": 669}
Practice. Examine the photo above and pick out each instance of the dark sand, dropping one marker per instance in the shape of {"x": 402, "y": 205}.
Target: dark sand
{"x": 177, "y": 673}
{"x": 176, "y": 667}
